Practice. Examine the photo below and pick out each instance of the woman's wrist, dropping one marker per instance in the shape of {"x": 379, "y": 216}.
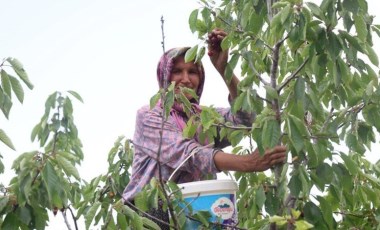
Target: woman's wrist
{"x": 228, "y": 162}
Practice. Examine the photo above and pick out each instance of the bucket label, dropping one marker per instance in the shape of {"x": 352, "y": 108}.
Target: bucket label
{"x": 223, "y": 208}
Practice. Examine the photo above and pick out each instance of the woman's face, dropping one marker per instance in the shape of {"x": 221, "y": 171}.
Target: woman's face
{"x": 185, "y": 75}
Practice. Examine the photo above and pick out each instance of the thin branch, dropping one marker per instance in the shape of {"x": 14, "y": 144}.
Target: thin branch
{"x": 273, "y": 76}
{"x": 109, "y": 218}
{"x": 224, "y": 226}
{"x": 350, "y": 214}
{"x": 188, "y": 205}
{"x": 162, "y": 184}
{"x": 66, "y": 221}
{"x": 232, "y": 127}
{"x": 328, "y": 119}
{"x": 238, "y": 30}
{"x": 275, "y": 105}
{"x": 52, "y": 152}
{"x": 291, "y": 77}
{"x": 250, "y": 64}
{"x": 73, "y": 216}
{"x": 264, "y": 99}
{"x": 148, "y": 215}
{"x": 162, "y": 34}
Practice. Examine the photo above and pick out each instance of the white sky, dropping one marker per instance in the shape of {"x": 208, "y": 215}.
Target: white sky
{"x": 107, "y": 51}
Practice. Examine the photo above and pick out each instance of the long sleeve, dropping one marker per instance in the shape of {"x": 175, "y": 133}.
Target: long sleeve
{"x": 174, "y": 150}
{"x": 240, "y": 118}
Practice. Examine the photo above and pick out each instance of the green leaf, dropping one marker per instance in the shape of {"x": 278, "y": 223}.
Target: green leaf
{"x": 279, "y": 220}
{"x": 68, "y": 167}
{"x": 76, "y": 95}
{"x": 193, "y": 20}
{"x": 277, "y": 5}
{"x": 302, "y": 224}
{"x": 299, "y": 89}
{"x": 313, "y": 215}
{"x": 225, "y": 44}
{"x": 297, "y": 131}
{"x": 137, "y": 222}
{"x": 361, "y": 27}
{"x": 50, "y": 179}
{"x": 150, "y": 224}
{"x": 260, "y": 197}
{"x": 372, "y": 55}
{"x": 203, "y": 217}
{"x": 169, "y": 101}
{"x": 295, "y": 185}
{"x": 351, "y": 5}
{"x": 23, "y": 157}
{"x": 6, "y": 104}
{"x": 200, "y": 54}
{"x": 3, "y": 202}
{"x": 271, "y": 92}
{"x": 354, "y": 42}
{"x": 333, "y": 45}
{"x": 190, "y": 129}
{"x": 315, "y": 10}
{"x": 19, "y": 69}
{"x": 285, "y": 12}
{"x": 35, "y": 132}
{"x": 154, "y": 100}
{"x": 272, "y": 203}
{"x": 89, "y": 216}
{"x": 6, "y": 84}
{"x": 350, "y": 164}
{"x": 6, "y": 140}
{"x": 327, "y": 212}
{"x": 17, "y": 88}
{"x": 325, "y": 173}
{"x": 141, "y": 201}
{"x": 191, "y": 53}
{"x": 121, "y": 221}
{"x": 24, "y": 215}
{"x": 10, "y": 222}
{"x": 271, "y": 133}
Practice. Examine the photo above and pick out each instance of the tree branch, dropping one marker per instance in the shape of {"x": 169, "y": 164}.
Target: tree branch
{"x": 291, "y": 77}
{"x": 275, "y": 105}
{"x": 162, "y": 184}
{"x": 73, "y": 216}
{"x": 66, "y": 221}
{"x": 250, "y": 64}
{"x": 148, "y": 215}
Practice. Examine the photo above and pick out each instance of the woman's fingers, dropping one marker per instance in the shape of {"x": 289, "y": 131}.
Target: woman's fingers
{"x": 278, "y": 149}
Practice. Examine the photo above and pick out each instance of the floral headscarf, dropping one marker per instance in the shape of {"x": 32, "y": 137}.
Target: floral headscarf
{"x": 165, "y": 67}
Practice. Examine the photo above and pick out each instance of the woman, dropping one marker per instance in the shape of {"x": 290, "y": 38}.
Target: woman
{"x": 175, "y": 148}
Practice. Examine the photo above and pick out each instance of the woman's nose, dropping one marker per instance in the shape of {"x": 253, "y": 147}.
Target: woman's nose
{"x": 185, "y": 77}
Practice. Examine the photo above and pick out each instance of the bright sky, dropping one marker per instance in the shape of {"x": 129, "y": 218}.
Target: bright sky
{"x": 107, "y": 51}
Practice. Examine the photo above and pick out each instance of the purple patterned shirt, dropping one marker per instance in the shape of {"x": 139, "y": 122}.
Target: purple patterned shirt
{"x": 174, "y": 150}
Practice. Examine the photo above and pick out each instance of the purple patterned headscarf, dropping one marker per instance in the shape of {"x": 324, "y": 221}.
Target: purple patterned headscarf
{"x": 164, "y": 69}
{"x": 165, "y": 66}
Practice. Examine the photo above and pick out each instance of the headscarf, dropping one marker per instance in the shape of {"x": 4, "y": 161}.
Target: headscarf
{"x": 164, "y": 69}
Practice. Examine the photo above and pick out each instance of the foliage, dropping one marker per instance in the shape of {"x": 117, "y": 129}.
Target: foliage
{"x": 45, "y": 180}
{"x": 310, "y": 73}
{"x": 9, "y": 84}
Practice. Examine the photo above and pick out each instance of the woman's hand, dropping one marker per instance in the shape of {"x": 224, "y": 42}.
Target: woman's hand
{"x": 256, "y": 162}
{"x": 217, "y": 56}
{"x": 250, "y": 163}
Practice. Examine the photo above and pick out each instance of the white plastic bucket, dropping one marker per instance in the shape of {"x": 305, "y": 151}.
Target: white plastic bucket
{"x": 218, "y": 197}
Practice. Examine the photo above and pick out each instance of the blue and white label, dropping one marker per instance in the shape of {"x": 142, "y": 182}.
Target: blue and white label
{"x": 223, "y": 208}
